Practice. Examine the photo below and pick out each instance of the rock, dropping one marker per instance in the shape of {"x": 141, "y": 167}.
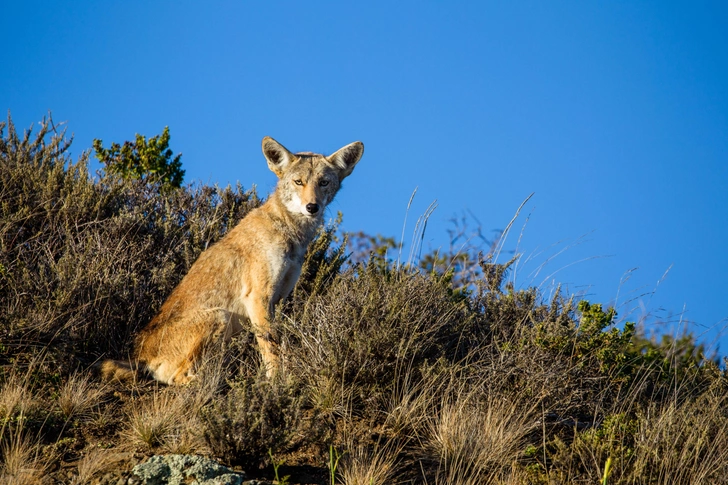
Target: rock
{"x": 184, "y": 470}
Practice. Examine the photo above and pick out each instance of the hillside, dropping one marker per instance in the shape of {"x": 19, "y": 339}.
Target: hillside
{"x": 392, "y": 373}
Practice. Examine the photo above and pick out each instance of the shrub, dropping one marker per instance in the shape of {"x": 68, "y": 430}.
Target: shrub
{"x": 86, "y": 262}
{"x": 141, "y": 159}
{"x": 371, "y": 329}
{"x": 254, "y": 417}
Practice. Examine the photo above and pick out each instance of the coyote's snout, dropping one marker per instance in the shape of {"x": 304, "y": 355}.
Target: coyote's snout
{"x": 242, "y": 277}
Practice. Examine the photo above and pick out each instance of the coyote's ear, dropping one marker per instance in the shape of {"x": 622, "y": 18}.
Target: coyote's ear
{"x": 345, "y": 158}
{"x": 277, "y": 155}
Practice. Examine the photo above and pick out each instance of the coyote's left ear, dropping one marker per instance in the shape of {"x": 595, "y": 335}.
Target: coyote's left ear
{"x": 277, "y": 155}
{"x": 345, "y": 158}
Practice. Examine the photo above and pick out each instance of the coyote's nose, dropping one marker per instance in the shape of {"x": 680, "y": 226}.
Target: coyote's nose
{"x": 312, "y": 208}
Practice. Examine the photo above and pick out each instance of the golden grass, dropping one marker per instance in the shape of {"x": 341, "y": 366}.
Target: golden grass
{"x": 79, "y": 395}
{"x": 167, "y": 421}
{"x": 151, "y": 422}
{"x": 91, "y": 464}
{"x": 14, "y": 396}
{"x": 22, "y": 462}
{"x": 674, "y": 446}
{"x": 477, "y": 438}
{"x": 369, "y": 465}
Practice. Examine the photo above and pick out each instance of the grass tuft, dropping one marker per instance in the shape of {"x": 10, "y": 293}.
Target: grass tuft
{"x": 79, "y": 396}
{"x": 22, "y": 460}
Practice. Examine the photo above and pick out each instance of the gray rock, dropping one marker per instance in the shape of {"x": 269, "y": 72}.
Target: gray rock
{"x": 185, "y": 470}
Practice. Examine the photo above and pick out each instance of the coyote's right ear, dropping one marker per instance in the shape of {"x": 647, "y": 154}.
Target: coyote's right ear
{"x": 277, "y": 155}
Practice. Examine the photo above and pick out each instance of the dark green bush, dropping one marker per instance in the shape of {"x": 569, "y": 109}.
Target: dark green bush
{"x": 149, "y": 160}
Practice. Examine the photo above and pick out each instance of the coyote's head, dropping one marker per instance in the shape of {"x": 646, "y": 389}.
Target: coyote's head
{"x": 309, "y": 181}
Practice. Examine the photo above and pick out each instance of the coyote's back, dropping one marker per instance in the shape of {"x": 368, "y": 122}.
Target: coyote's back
{"x": 238, "y": 281}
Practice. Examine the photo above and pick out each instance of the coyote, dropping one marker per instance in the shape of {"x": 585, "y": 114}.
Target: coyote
{"x": 243, "y": 276}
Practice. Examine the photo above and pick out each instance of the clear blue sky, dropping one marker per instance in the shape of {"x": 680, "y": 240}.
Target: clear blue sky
{"x": 614, "y": 113}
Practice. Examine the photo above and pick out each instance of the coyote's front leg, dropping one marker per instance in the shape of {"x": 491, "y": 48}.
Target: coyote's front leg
{"x": 260, "y": 316}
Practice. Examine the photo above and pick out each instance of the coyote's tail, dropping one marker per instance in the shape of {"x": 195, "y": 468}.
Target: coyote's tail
{"x": 118, "y": 370}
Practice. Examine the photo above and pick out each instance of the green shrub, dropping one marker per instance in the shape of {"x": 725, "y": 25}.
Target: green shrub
{"x": 149, "y": 160}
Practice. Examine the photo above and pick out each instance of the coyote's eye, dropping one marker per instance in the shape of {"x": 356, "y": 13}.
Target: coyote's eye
{"x": 324, "y": 183}
{"x": 298, "y": 182}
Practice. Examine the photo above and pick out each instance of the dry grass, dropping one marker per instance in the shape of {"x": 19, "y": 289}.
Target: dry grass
{"x": 476, "y": 437}
{"x": 22, "y": 461}
{"x": 681, "y": 443}
{"x": 14, "y": 396}
{"x": 92, "y": 464}
{"x": 151, "y": 422}
{"x": 408, "y": 403}
{"x": 79, "y": 396}
{"x": 370, "y": 465}
{"x": 165, "y": 421}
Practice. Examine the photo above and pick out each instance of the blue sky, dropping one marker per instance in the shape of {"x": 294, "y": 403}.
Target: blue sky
{"x": 614, "y": 113}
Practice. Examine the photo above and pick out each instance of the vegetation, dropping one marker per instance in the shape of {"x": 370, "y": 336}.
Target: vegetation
{"x": 392, "y": 372}
{"x": 143, "y": 159}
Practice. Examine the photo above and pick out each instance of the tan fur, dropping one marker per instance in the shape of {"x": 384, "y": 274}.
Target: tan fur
{"x": 118, "y": 370}
{"x": 240, "y": 279}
